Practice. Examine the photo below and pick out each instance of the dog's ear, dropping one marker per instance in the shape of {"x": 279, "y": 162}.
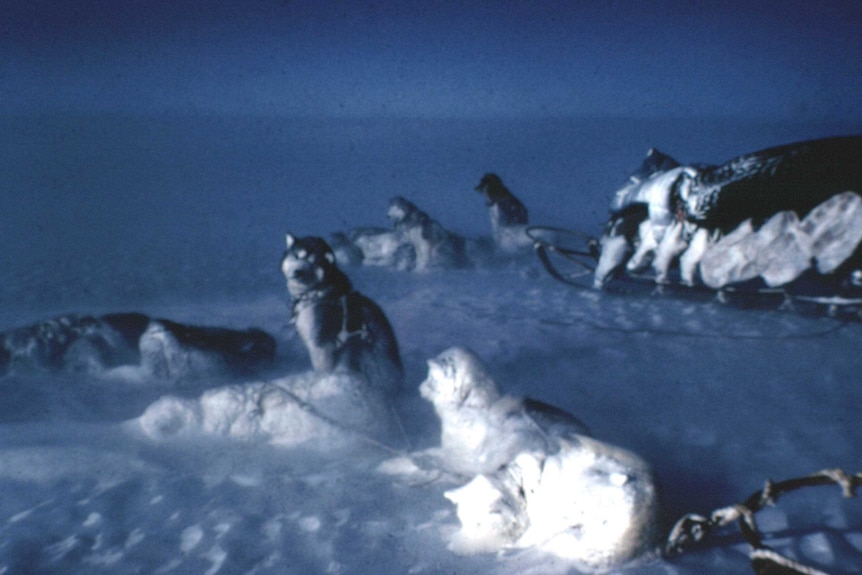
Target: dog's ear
{"x": 290, "y": 240}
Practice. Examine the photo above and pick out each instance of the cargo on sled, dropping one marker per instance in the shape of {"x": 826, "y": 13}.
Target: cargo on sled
{"x": 784, "y": 223}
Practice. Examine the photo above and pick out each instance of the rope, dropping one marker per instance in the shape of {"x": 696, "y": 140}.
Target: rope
{"x": 693, "y": 528}
{"x": 309, "y": 408}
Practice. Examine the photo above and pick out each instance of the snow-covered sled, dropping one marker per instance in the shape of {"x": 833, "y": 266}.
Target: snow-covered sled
{"x": 779, "y": 224}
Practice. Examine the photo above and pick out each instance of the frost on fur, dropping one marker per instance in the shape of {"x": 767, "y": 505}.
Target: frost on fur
{"x": 335, "y": 409}
{"x": 775, "y": 216}
{"x": 535, "y": 485}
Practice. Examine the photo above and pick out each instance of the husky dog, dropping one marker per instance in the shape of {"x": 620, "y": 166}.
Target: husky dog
{"x": 538, "y": 480}
{"x": 435, "y": 247}
{"x": 346, "y": 252}
{"x": 379, "y": 247}
{"x": 480, "y": 428}
{"x": 170, "y": 349}
{"x": 341, "y": 328}
{"x": 508, "y": 215}
{"x": 95, "y": 344}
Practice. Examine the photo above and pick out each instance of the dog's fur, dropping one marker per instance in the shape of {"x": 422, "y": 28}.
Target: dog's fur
{"x": 539, "y": 481}
{"x": 435, "y": 247}
{"x": 481, "y": 429}
{"x": 508, "y": 215}
{"x": 379, "y": 247}
{"x": 509, "y": 209}
{"x": 160, "y": 347}
{"x": 341, "y": 328}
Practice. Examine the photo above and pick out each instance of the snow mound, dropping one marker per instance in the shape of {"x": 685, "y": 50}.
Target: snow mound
{"x": 332, "y": 408}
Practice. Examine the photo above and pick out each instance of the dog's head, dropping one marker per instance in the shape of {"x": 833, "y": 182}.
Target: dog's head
{"x": 492, "y": 187}
{"x": 456, "y": 378}
{"x": 400, "y": 209}
{"x": 308, "y": 265}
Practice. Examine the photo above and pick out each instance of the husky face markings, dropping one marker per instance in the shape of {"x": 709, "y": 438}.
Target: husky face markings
{"x": 305, "y": 263}
{"x": 341, "y": 328}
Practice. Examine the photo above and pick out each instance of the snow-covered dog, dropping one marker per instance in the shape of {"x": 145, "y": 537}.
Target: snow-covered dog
{"x": 539, "y": 482}
{"x": 508, "y": 215}
{"x": 434, "y": 246}
{"x": 376, "y": 247}
{"x": 341, "y": 328}
{"x": 170, "y": 349}
{"x": 480, "y": 430}
{"x": 154, "y": 347}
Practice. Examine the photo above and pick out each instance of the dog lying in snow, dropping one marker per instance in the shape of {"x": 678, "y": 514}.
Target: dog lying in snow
{"x": 373, "y": 246}
{"x": 341, "y": 328}
{"x": 537, "y": 481}
{"x": 434, "y": 246}
{"x": 416, "y": 242}
{"x": 157, "y": 347}
{"x": 344, "y": 399}
{"x": 481, "y": 430}
{"x": 315, "y": 410}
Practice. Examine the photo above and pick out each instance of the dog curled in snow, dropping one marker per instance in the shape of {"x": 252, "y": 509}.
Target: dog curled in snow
{"x": 341, "y": 328}
{"x": 434, "y": 246}
{"x": 374, "y": 246}
{"x": 508, "y": 215}
{"x": 539, "y": 482}
{"x": 151, "y": 347}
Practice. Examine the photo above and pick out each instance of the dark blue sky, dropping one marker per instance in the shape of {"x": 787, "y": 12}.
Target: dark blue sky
{"x": 792, "y": 58}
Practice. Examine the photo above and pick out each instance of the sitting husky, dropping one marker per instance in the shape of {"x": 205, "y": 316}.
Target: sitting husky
{"x": 435, "y": 247}
{"x": 480, "y": 428}
{"x": 537, "y": 480}
{"x": 157, "y": 347}
{"x": 341, "y": 328}
{"x": 508, "y": 216}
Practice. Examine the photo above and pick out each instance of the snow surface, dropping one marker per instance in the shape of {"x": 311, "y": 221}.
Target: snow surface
{"x": 184, "y": 218}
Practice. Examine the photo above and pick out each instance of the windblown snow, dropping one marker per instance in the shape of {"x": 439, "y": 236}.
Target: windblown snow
{"x": 284, "y": 470}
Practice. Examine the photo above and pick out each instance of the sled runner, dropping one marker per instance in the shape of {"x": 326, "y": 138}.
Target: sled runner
{"x": 571, "y": 257}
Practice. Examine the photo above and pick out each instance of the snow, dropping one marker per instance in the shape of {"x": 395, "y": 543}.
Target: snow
{"x": 541, "y": 487}
{"x": 184, "y": 218}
